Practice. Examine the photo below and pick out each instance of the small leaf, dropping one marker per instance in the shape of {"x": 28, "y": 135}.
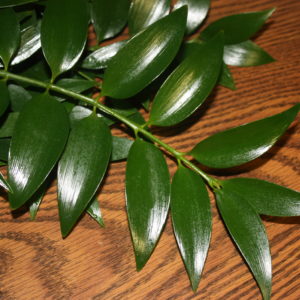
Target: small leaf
{"x": 147, "y": 197}
{"x": 4, "y": 183}
{"x": 9, "y": 3}
{"x": 197, "y": 11}
{"x": 144, "y": 13}
{"x": 145, "y": 56}
{"x": 7, "y": 127}
{"x": 265, "y": 197}
{"x": 4, "y": 148}
{"x": 120, "y": 148}
{"x": 64, "y": 33}
{"x": 242, "y": 144}
{"x": 246, "y": 54}
{"x": 9, "y": 34}
{"x": 94, "y": 211}
{"x": 237, "y": 28}
{"x": 75, "y": 85}
{"x": 189, "y": 84}
{"x": 18, "y": 97}
{"x": 191, "y": 218}
{"x": 4, "y": 97}
{"x": 82, "y": 168}
{"x": 248, "y": 233}
{"x": 226, "y": 78}
{"x": 38, "y": 140}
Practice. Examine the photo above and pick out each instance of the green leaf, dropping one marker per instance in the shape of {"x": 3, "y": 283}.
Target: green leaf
{"x": 242, "y": 144}
{"x": 109, "y": 17}
{"x": 94, "y": 211}
{"x": 197, "y": 11}
{"x": 9, "y": 35}
{"x": 191, "y": 218}
{"x": 38, "y": 140}
{"x": 265, "y": 197}
{"x": 189, "y": 84}
{"x": 248, "y": 233}
{"x": 226, "y": 78}
{"x": 237, "y": 28}
{"x": 4, "y": 97}
{"x": 8, "y": 125}
{"x": 64, "y": 33}
{"x": 147, "y": 197}
{"x": 9, "y": 3}
{"x": 144, "y": 13}
{"x": 246, "y": 54}
{"x": 82, "y": 168}
{"x": 4, "y": 148}
{"x": 120, "y": 148}
{"x": 145, "y": 56}
{"x": 4, "y": 183}
{"x": 75, "y": 85}
{"x": 18, "y": 97}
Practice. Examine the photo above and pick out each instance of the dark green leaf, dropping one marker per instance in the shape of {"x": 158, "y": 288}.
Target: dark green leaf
{"x": 64, "y": 33}
{"x": 75, "y": 85}
{"x": 237, "y": 28}
{"x": 81, "y": 168}
{"x": 8, "y": 125}
{"x": 248, "y": 233}
{"x": 226, "y": 78}
{"x": 246, "y": 54}
{"x": 120, "y": 148}
{"x": 137, "y": 118}
{"x": 4, "y": 97}
{"x": 38, "y": 140}
{"x": 109, "y": 17}
{"x": 244, "y": 143}
{"x": 4, "y": 183}
{"x": 189, "y": 84}
{"x": 265, "y": 197}
{"x": 9, "y": 34}
{"x": 4, "y": 148}
{"x": 9, "y": 3}
{"x": 197, "y": 11}
{"x": 144, "y": 12}
{"x": 145, "y": 56}
{"x": 191, "y": 218}
{"x": 94, "y": 211}
{"x": 147, "y": 197}
{"x": 18, "y": 97}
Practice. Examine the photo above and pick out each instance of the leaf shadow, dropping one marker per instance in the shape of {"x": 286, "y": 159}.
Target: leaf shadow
{"x": 282, "y": 220}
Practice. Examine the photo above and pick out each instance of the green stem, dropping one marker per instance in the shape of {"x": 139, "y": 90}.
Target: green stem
{"x": 213, "y": 182}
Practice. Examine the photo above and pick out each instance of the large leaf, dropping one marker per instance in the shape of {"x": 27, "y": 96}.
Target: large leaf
{"x": 246, "y": 54}
{"x": 197, "y": 11}
{"x": 18, "y": 97}
{"x": 81, "y": 168}
{"x": 242, "y": 144}
{"x": 4, "y": 97}
{"x": 75, "y": 84}
{"x": 266, "y": 198}
{"x": 145, "y": 56}
{"x": 9, "y": 34}
{"x": 8, "y": 125}
{"x": 226, "y": 78}
{"x": 189, "y": 84}
{"x": 237, "y": 28}
{"x": 38, "y": 140}
{"x": 248, "y": 233}
{"x": 147, "y": 197}
{"x": 94, "y": 211}
{"x": 64, "y": 33}
{"x": 4, "y": 183}
{"x": 191, "y": 218}
{"x": 9, "y": 3}
{"x": 120, "y": 148}
{"x": 144, "y": 12}
{"x": 109, "y": 17}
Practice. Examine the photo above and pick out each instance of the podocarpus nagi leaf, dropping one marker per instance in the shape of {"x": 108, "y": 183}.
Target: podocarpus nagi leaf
{"x": 189, "y": 84}
{"x": 191, "y": 218}
{"x": 246, "y": 54}
{"x": 248, "y": 233}
{"x": 9, "y": 3}
{"x": 9, "y": 34}
{"x": 120, "y": 148}
{"x": 64, "y": 33}
{"x": 226, "y": 78}
{"x": 147, "y": 197}
{"x": 4, "y": 148}
{"x": 197, "y": 11}
{"x": 237, "y": 28}
{"x": 8, "y": 125}
{"x": 242, "y": 144}
{"x": 109, "y": 17}
{"x": 145, "y": 56}
{"x": 4, "y": 183}
{"x": 4, "y": 97}
{"x": 265, "y": 197}
{"x": 18, "y": 97}
{"x": 82, "y": 168}
{"x": 38, "y": 140}
{"x": 94, "y": 211}
{"x": 144, "y": 12}
{"x": 76, "y": 85}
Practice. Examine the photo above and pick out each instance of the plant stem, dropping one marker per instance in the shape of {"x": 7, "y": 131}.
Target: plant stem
{"x": 213, "y": 182}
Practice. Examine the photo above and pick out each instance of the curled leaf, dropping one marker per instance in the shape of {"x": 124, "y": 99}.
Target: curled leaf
{"x": 94, "y": 211}
{"x": 226, "y": 78}
{"x": 4, "y": 183}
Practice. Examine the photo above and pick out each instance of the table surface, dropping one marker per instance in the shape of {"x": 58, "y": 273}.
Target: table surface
{"x": 97, "y": 263}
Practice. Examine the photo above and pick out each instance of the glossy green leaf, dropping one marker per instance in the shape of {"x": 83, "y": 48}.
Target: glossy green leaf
{"x": 81, "y": 168}
{"x": 144, "y": 13}
{"x": 4, "y": 97}
{"x": 64, "y": 33}
{"x": 4, "y": 148}
{"x": 145, "y": 56}
{"x": 197, "y": 11}
{"x": 9, "y": 34}
{"x": 4, "y": 183}
{"x": 94, "y": 211}
{"x": 120, "y": 148}
{"x": 75, "y": 85}
{"x": 237, "y": 28}
{"x": 248, "y": 233}
{"x": 189, "y": 84}
{"x": 8, "y": 125}
{"x": 246, "y": 54}
{"x": 226, "y": 78}
{"x": 38, "y": 140}
{"x": 265, "y": 197}
{"x": 244, "y": 143}
{"x": 191, "y": 218}
{"x": 109, "y": 17}
{"x": 147, "y": 197}
{"x": 9, "y": 3}
{"x": 18, "y": 97}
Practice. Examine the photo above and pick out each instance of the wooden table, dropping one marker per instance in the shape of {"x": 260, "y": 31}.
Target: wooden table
{"x": 96, "y": 263}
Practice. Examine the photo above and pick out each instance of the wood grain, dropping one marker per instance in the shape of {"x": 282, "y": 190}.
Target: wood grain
{"x": 96, "y": 263}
